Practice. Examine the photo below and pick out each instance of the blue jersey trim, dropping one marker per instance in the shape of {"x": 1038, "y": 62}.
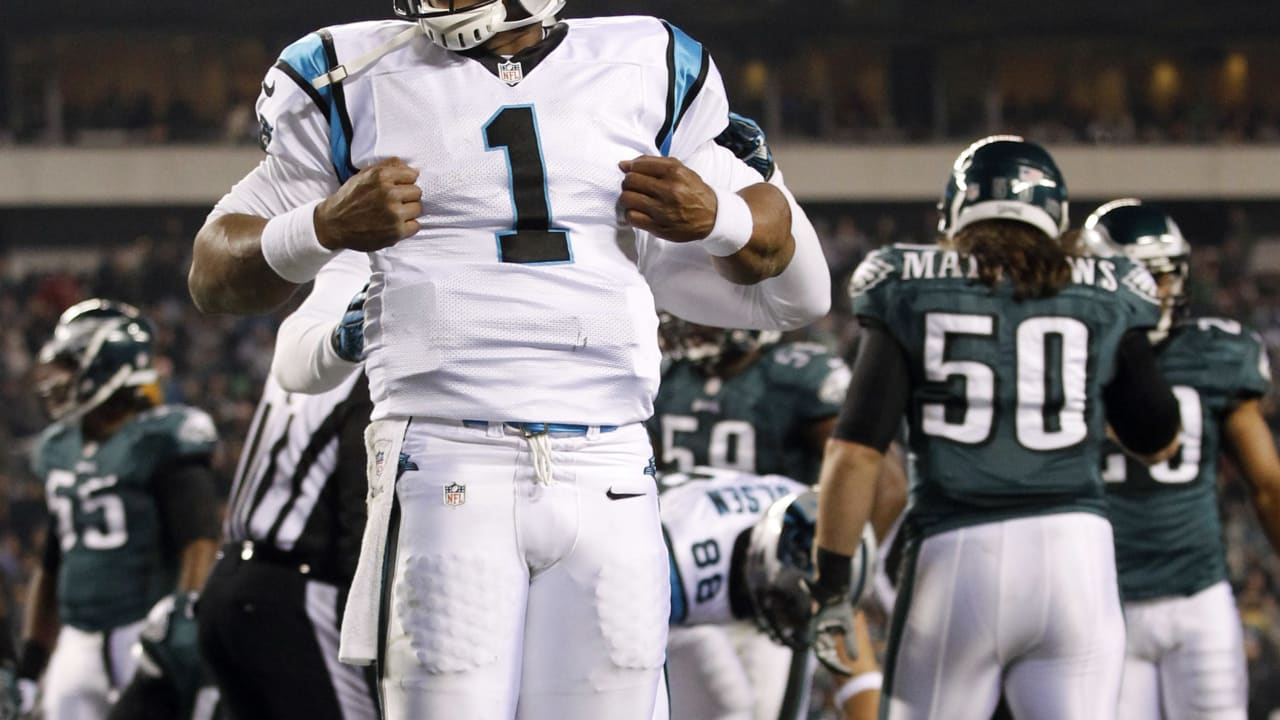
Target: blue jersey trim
{"x": 687, "y": 65}
{"x": 679, "y": 606}
{"x": 309, "y": 58}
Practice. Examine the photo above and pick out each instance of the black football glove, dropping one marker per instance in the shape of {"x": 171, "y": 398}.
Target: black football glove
{"x": 746, "y": 139}
{"x": 832, "y": 621}
{"x": 348, "y": 335}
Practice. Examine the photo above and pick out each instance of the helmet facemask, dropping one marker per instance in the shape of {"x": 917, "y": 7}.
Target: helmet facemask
{"x": 88, "y": 360}
{"x": 458, "y": 25}
{"x": 709, "y": 348}
{"x": 779, "y": 567}
{"x": 1146, "y": 235}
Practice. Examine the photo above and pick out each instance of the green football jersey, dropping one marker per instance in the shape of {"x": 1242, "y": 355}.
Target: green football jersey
{"x": 755, "y": 421}
{"x": 1005, "y": 415}
{"x": 1165, "y": 517}
{"x": 114, "y": 561}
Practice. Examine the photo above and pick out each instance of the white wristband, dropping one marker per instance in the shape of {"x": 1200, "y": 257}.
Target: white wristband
{"x": 290, "y": 246}
{"x": 733, "y": 227}
{"x": 859, "y": 684}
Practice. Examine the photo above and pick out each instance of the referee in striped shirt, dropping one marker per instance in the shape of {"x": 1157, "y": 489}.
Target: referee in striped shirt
{"x": 270, "y": 613}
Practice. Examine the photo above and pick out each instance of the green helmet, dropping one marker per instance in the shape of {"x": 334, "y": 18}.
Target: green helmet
{"x": 1004, "y": 177}
{"x": 97, "y": 348}
{"x": 1147, "y": 235}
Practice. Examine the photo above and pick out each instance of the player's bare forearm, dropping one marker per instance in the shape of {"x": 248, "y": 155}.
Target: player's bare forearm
{"x": 197, "y": 560}
{"x": 40, "y": 622}
{"x": 1249, "y": 439}
{"x": 229, "y": 273}
{"x": 847, "y": 491}
{"x": 864, "y": 704}
{"x": 771, "y": 246}
{"x": 891, "y": 492}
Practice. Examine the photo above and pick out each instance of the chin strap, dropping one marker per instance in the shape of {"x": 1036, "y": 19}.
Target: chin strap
{"x": 345, "y": 70}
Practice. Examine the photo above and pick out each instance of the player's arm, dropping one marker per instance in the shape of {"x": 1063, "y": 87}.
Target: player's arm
{"x": 891, "y": 492}
{"x": 687, "y": 281}
{"x": 280, "y": 224}
{"x": 1140, "y": 406}
{"x": 746, "y": 233}
{"x": 186, "y": 493}
{"x": 40, "y": 623}
{"x": 316, "y": 345}
{"x": 1250, "y": 442}
{"x": 245, "y": 263}
{"x": 874, "y": 406}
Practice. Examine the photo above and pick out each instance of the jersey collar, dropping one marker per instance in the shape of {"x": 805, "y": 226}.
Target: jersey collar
{"x": 527, "y": 59}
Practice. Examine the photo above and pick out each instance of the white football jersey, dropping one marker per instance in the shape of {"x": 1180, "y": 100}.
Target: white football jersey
{"x": 703, "y": 514}
{"x": 520, "y": 298}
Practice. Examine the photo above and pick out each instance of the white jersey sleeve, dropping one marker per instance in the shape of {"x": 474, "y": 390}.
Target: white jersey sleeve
{"x": 305, "y": 133}
{"x": 305, "y": 360}
{"x": 697, "y": 106}
{"x": 685, "y": 282}
{"x": 703, "y": 514}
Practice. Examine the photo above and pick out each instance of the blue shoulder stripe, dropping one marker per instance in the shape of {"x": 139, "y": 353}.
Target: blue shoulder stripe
{"x": 303, "y": 62}
{"x": 687, "y": 65}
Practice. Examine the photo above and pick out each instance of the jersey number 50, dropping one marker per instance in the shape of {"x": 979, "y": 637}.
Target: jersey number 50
{"x": 1052, "y": 354}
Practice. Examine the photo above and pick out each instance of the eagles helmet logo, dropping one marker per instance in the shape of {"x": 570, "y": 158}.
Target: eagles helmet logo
{"x": 1142, "y": 284}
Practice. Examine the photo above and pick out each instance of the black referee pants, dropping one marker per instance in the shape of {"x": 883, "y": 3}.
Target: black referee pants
{"x": 270, "y": 636}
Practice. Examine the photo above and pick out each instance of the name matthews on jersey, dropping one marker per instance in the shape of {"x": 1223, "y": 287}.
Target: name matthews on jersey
{"x": 931, "y": 263}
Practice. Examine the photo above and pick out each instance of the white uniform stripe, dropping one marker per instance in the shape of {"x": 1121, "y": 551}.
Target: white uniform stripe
{"x": 285, "y": 426}
{"x": 312, "y": 485}
{"x": 348, "y": 681}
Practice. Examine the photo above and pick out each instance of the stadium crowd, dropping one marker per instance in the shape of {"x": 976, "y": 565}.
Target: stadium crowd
{"x": 219, "y": 363}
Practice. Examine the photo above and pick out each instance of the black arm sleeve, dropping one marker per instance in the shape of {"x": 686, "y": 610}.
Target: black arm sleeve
{"x": 1140, "y": 406}
{"x": 879, "y": 391}
{"x": 351, "y": 479}
{"x": 52, "y": 557}
{"x": 188, "y": 498}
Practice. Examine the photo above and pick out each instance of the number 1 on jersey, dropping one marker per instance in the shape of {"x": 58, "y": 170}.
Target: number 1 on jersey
{"x": 514, "y": 130}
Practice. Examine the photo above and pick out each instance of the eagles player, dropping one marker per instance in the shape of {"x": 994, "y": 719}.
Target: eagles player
{"x": 738, "y": 399}
{"x": 739, "y": 543}
{"x": 523, "y": 191}
{"x": 1185, "y": 651}
{"x": 1008, "y": 358}
{"x": 132, "y": 507}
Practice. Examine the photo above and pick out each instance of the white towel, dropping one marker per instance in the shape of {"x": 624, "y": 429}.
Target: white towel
{"x": 382, "y": 440}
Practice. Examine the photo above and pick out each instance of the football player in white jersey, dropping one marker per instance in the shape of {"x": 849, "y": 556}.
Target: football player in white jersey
{"x": 739, "y": 543}
{"x": 526, "y": 191}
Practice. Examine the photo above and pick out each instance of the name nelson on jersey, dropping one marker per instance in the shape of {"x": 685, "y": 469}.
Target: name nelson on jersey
{"x": 745, "y": 498}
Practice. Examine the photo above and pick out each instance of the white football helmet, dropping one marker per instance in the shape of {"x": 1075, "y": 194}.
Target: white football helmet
{"x": 457, "y": 25}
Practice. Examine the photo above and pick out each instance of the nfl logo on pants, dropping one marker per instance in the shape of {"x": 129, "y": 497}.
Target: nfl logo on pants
{"x": 455, "y": 494}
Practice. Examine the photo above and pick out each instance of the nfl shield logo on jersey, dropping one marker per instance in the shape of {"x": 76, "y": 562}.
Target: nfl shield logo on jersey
{"x": 510, "y": 72}
{"x": 455, "y": 494}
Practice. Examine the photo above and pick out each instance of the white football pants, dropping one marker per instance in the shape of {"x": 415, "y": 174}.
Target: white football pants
{"x": 1032, "y": 602}
{"x": 538, "y": 590}
{"x": 87, "y": 670}
{"x": 1185, "y": 658}
{"x": 732, "y": 672}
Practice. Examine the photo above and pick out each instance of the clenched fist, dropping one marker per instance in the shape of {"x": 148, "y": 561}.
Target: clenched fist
{"x": 377, "y": 208}
{"x": 663, "y": 197}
